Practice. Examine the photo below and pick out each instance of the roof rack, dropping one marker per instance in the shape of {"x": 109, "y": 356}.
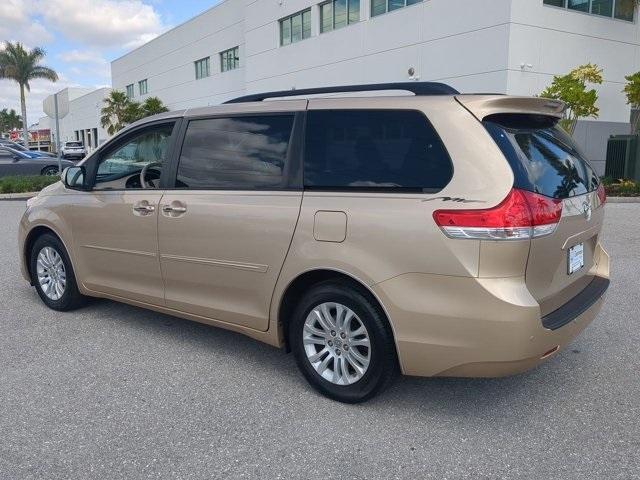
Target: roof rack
{"x": 417, "y": 88}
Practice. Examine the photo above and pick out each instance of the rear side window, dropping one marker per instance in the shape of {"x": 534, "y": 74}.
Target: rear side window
{"x": 374, "y": 149}
{"x": 544, "y": 159}
{"x": 235, "y": 153}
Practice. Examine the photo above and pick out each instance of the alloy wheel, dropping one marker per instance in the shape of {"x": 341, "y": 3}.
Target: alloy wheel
{"x": 336, "y": 343}
{"x": 52, "y": 275}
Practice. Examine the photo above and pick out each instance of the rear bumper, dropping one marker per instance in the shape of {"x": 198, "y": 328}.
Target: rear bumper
{"x": 474, "y": 327}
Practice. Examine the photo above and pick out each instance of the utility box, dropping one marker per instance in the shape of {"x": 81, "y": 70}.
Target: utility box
{"x": 622, "y": 157}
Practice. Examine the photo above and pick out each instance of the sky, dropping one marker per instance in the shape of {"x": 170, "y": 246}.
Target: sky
{"x": 81, "y": 37}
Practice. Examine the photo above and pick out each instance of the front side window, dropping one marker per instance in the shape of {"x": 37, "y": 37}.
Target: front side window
{"x": 296, "y": 27}
{"x": 130, "y": 91}
{"x": 143, "y": 87}
{"x": 120, "y": 167}
{"x": 374, "y": 149}
{"x": 235, "y": 153}
{"x": 338, "y": 13}
{"x": 378, "y": 7}
{"x": 202, "y": 68}
{"x": 230, "y": 59}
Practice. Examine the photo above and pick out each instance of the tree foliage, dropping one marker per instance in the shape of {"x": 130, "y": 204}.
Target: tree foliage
{"x": 573, "y": 89}
{"x": 113, "y": 115}
{"x": 22, "y": 65}
{"x": 9, "y": 120}
{"x": 632, "y": 91}
{"x": 119, "y": 111}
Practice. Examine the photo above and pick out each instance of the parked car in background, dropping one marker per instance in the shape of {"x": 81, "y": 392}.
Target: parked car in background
{"x": 73, "y": 149}
{"x": 19, "y": 147}
{"x": 15, "y": 162}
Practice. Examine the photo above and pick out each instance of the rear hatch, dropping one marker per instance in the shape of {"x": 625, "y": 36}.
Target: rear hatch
{"x": 546, "y": 161}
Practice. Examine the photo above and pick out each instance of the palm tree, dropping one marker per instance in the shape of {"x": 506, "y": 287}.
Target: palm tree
{"x": 22, "y": 66}
{"x": 9, "y": 120}
{"x": 114, "y": 113}
{"x": 153, "y": 106}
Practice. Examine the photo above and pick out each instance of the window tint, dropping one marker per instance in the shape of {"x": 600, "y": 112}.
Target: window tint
{"x": 374, "y": 149}
{"x": 150, "y": 146}
{"x": 544, "y": 159}
{"x": 247, "y": 152}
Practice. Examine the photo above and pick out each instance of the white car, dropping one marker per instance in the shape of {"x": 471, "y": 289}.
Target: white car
{"x": 73, "y": 150}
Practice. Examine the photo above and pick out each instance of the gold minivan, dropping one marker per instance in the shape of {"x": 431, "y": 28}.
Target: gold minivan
{"x": 415, "y": 230}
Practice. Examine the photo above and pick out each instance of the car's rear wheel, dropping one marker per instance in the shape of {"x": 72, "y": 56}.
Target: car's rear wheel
{"x": 50, "y": 171}
{"x": 342, "y": 342}
{"x": 52, "y": 274}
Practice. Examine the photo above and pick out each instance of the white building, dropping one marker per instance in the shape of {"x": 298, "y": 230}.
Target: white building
{"x": 505, "y": 46}
{"x": 78, "y": 114}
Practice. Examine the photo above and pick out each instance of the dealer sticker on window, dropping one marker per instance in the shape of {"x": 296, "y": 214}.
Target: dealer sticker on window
{"x": 576, "y": 258}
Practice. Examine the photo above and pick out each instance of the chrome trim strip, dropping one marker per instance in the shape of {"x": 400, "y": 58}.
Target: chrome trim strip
{"x": 578, "y": 206}
{"x": 120, "y": 250}
{"x": 217, "y": 263}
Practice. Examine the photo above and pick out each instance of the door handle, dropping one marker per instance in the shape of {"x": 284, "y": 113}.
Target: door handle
{"x": 170, "y": 209}
{"x": 144, "y": 208}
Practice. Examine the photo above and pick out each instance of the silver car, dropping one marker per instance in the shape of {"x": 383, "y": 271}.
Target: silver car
{"x": 14, "y": 162}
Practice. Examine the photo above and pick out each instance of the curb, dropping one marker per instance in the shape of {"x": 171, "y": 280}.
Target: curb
{"x": 17, "y": 196}
{"x": 623, "y": 199}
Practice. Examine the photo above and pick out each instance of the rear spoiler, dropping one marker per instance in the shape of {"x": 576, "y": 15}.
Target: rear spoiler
{"x": 482, "y": 106}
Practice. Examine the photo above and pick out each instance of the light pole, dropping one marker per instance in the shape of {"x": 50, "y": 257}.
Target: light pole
{"x": 55, "y": 106}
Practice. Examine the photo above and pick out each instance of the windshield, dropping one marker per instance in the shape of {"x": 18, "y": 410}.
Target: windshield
{"x": 15, "y": 146}
{"x": 544, "y": 159}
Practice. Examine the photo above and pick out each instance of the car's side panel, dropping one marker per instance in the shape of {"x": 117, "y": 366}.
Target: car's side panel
{"x": 117, "y": 246}
{"x": 391, "y": 234}
{"x": 222, "y": 257}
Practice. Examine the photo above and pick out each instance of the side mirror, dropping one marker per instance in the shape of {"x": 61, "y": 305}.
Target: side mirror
{"x": 16, "y": 158}
{"x": 74, "y": 178}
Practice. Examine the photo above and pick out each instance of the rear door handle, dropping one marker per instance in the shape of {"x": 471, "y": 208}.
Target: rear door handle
{"x": 170, "y": 209}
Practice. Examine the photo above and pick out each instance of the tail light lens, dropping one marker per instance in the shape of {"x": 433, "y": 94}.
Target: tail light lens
{"x": 602, "y": 194}
{"x": 521, "y": 215}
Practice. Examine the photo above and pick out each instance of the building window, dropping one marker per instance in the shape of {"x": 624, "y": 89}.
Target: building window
{"x": 378, "y": 7}
{"x": 130, "y": 91}
{"x": 338, "y": 13}
{"x": 624, "y": 10}
{"x": 296, "y": 27}
{"x": 202, "y": 68}
{"x": 230, "y": 59}
{"x": 620, "y": 9}
{"x": 143, "y": 87}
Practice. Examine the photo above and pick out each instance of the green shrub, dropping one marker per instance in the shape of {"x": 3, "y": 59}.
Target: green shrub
{"x": 622, "y": 188}
{"x": 22, "y": 184}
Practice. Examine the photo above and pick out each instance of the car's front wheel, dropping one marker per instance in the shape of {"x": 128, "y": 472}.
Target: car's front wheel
{"x": 52, "y": 274}
{"x": 343, "y": 343}
{"x": 50, "y": 171}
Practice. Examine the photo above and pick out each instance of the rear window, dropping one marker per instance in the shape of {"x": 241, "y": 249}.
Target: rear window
{"x": 544, "y": 158}
{"x": 374, "y": 150}
{"x": 74, "y": 144}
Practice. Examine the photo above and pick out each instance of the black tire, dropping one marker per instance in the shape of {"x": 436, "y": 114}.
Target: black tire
{"x": 50, "y": 171}
{"x": 383, "y": 365}
{"x": 71, "y": 299}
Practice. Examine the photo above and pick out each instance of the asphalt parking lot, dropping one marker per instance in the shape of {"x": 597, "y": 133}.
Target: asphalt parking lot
{"x": 117, "y": 392}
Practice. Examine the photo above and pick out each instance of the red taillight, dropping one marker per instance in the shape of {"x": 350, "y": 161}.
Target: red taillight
{"x": 521, "y": 215}
{"x": 602, "y": 194}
